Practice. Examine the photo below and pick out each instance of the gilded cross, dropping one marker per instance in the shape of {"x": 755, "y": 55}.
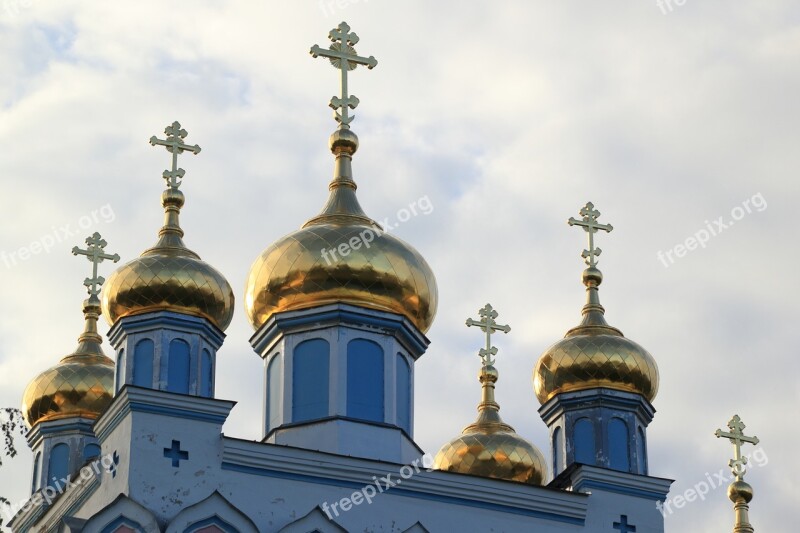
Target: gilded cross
{"x": 95, "y": 253}
{"x": 343, "y": 56}
{"x": 488, "y": 326}
{"x": 590, "y": 225}
{"x": 175, "y": 145}
{"x": 737, "y": 437}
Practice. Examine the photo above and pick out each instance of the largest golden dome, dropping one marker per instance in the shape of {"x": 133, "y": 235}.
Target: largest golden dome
{"x": 341, "y": 255}
{"x": 169, "y": 277}
{"x": 80, "y": 385}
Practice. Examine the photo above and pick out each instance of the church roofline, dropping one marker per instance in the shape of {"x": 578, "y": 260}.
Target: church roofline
{"x": 264, "y": 459}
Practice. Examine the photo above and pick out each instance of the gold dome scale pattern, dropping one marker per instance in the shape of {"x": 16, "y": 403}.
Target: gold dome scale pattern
{"x": 305, "y": 268}
{"x": 169, "y": 276}
{"x": 489, "y": 447}
{"x": 594, "y": 354}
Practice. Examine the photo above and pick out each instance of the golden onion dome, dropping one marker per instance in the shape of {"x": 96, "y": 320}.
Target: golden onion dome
{"x": 341, "y": 255}
{"x": 169, "y": 277}
{"x": 80, "y": 385}
{"x": 594, "y": 355}
{"x": 491, "y": 448}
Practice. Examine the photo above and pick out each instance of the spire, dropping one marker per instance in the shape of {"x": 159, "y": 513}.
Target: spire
{"x": 489, "y": 447}
{"x": 170, "y": 240}
{"x": 593, "y": 311}
{"x": 342, "y": 204}
{"x": 90, "y": 342}
{"x": 488, "y": 409}
{"x": 739, "y": 492}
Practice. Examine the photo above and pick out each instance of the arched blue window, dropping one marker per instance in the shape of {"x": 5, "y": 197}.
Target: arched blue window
{"x": 365, "y": 380}
{"x": 178, "y": 367}
{"x": 641, "y": 452}
{"x": 403, "y": 384}
{"x": 58, "y": 466}
{"x": 206, "y": 387}
{"x": 91, "y": 451}
{"x": 310, "y": 377}
{"x": 143, "y": 363}
{"x": 619, "y": 444}
{"x": 584, "y": 443}
{"x": 274, "y": 391}
{"x": 120, "y": 368}
{"x": 37, "y": 463}
{"x": 558, "y": 451}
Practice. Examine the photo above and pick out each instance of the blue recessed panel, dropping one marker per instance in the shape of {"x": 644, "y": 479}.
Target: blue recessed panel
{"x": 619, "y": 444}
{"x": 274, "y": 392}
{"x": 178, "y": 367}
{"x": 583, "y": 441}
{"x": 58, "y": 466}
{"x": 365, "y": 380}
{"x": 310, "y": 377}
{"x": 143, "y": 363}
{"x": 403, "y": 393}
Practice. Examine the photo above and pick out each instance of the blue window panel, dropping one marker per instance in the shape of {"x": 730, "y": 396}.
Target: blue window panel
{"x": 558, "y": 451}
{"x": 641, "y": 452}
{"x": 310, "y": 380}
{"x": 584, "y": 443}
{"x": 143, "y": 363}
{"x": 206, "y": 384}
{"x": 619, "y": 444}
{"x": 58, "y": 466}
{"x": 365, "y": 380}
{"x": 403, "y": 384}
{"x": 274, "y": 392}
{"x": 120, "y": 370}
{"x": 91, "y": 451}
{"x": 178, "y": 367}
{"x": 37, "y": 462}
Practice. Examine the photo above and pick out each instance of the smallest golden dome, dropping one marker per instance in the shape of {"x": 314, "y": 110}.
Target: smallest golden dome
{"x": 80, "y": 385}
{"x": 491, "y": 448}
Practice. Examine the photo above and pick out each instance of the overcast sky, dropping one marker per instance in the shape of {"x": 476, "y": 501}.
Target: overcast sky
{"x": 508, "y": 117}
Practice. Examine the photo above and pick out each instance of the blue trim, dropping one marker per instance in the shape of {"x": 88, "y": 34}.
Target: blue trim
{"x": 280, "y": 324}
{"x": 157, "y": 320}
{"x": 628, "y": 491}
{"x": 402, "y": 492}
{"x": 213, "y": 521}
{"x": 122, "y": 521}
{"x": 51, "y": 430}
{"x": 177, "y": 413}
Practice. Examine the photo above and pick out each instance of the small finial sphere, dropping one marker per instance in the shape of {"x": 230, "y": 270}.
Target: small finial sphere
{"x": 740, "y": 489}
{"x": 488, "y": 373}
{"x": 592, "y": 276}
{"x": 343, "y": 141}
{"x": 172, "y": 196}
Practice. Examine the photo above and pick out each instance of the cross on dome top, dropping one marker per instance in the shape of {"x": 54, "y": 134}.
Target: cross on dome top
{"x": 489, "y": 326}
{"x": 343, "y": 56}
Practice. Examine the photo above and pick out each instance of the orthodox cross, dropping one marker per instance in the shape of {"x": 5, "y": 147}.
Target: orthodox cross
{"x": 737, "y": 437}
{"x": 175, "y": 145}
{"x": 590, "y": 225}
{"x": 343, "y": 56}
{"x": 489, "y": 326}
{"x": 623, "y": 525}
{"x": 95, "y": 253}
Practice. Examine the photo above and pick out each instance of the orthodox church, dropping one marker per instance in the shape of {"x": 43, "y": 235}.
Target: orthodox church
{"x": 135, "y": 444}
